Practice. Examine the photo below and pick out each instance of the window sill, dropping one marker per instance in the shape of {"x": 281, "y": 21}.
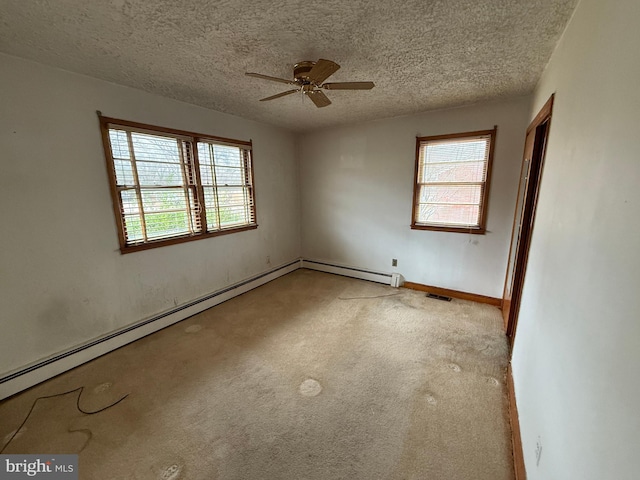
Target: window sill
{"x": 472, "y": 230}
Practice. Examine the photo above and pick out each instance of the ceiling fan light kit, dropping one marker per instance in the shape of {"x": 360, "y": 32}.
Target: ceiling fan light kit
{"x": 309, "y": 77}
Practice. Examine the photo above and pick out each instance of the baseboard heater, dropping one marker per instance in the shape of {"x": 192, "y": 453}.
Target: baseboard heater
{"x": 30, "y": 375}
{"x": 45, "y": 369}
{"x": 393, "y": 279}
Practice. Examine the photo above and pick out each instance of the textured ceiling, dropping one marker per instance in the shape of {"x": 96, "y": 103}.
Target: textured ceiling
{"x": 421, "y": 54}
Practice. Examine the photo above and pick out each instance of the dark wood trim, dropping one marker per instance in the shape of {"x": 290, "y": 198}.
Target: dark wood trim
{"x": 543, "y": 115}
{"x": 174, "y": 131}
{"x": 474, "y": 297}
{"x": 516, "y": 439}
{"x": 184, "y": 239}
{"x": 415, "y": 184}
{"x": 506, "y": 307}
{"x": 540, "y": 127}
{"x": 480, "y": 231}
{"x": 511, "y": 328}
{"x": 448, "y": 136}
{"x": 484, "y": 200}
{"x": 484, "y": 205}
{"x": 506, "y": 302}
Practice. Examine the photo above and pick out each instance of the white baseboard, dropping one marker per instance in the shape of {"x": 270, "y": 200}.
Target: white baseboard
{"x": 23, "y": 378}
{"x": 386, "y": 278}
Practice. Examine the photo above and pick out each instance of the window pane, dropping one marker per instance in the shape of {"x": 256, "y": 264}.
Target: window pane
{"x": 206, "y": 165}
{"x": 230, "y": 196}
{"x": 233, "y": 203}
{"x": 124, "y": 172}
{"x": 166, "y": 224}
{"x": 225, "y": 156}
{"x": 233, "y": 215}
{"x": 163, "y": 199}
{"x": 229, "y": 176}
{"x": 133, "y": 228}
{"x": 453, "y": 172}
{"x": 151, "y": 173}
{"x": 155, "y": 148}
{"x": 462, "y": 215}
{"x": 129, "y": 201}
{"x": 224, "y": 168}
{"x": 450, "y": 194}
{"x": 204, "y": 155}
{"x": 119, "y": 144}
{"x": 206, "y": 174}
{"x": 457, "y": 151}
{"x": 210, "y": 205}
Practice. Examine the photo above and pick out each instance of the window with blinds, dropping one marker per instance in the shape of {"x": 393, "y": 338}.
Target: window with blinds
{"x": 452, "y": 181}
{"x": 171, "y": 186}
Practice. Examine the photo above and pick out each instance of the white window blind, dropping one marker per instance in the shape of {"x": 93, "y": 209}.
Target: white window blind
{"x": 451, "y": 181}
{"x": 226, "y": 180}
{"x": 164, "y": 190}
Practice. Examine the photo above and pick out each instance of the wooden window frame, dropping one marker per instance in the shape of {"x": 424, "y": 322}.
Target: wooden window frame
{"x": 194, "y": 138}
{"x": 484, "y": 196}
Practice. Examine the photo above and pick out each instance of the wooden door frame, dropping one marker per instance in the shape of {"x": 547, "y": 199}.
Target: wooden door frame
{"x": 543, "y": 117}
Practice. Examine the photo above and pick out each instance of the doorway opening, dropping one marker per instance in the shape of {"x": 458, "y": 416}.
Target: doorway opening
{"x": 530, "y": 175}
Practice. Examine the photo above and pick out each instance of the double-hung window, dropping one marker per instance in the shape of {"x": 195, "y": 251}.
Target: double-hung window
{"x": 171, "y": 186}
{"x": 451, "y": 187}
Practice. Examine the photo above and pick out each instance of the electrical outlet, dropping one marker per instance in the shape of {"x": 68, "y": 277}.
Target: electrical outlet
{"x": 394, "y": 262}
{"x": 538, "y": 451}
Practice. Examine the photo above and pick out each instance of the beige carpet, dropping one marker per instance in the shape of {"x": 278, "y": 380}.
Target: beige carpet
{"x": 312, "y": 376}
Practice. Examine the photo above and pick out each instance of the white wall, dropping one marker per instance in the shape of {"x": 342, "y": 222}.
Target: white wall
{"x": 63, "y": 280}
{"x": 357, "y": 189}
{"x": 576, "y": 360}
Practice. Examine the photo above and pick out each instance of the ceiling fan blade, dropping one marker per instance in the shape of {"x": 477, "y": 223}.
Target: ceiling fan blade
{"x": 349, "y": 86}
{"x": 322, "y": 70}
{"x": 319, "y": 98}
{"x": 288, "y": 92}
{"x": 273, "y": 79}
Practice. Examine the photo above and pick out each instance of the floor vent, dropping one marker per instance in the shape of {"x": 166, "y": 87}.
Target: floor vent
{"x": 439, "y": 297}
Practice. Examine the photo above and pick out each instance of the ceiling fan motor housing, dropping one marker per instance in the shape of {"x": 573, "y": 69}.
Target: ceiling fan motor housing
{"x": 301, "y": 70}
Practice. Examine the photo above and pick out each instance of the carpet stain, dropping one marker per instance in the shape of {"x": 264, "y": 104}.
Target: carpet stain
{"x": 13, "y": 435}
{"x": 455, "y": 367}
{"x": 431, "y": 400}
{"x": 493, "y": 381}
{"x": 310, "y": 388}
{"x": 193, "y": 328}
{"x": 171, "y": 472}
{"x": 103, "y": 387}
{"x": 85, "y": 431}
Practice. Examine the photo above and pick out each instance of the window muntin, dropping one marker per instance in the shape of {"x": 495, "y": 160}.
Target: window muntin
{"x": 164, "y": 193}
{"x": 452, "y": 181}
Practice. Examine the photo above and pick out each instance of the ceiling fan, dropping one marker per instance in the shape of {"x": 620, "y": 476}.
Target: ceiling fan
{"x": 308, "y": 78}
